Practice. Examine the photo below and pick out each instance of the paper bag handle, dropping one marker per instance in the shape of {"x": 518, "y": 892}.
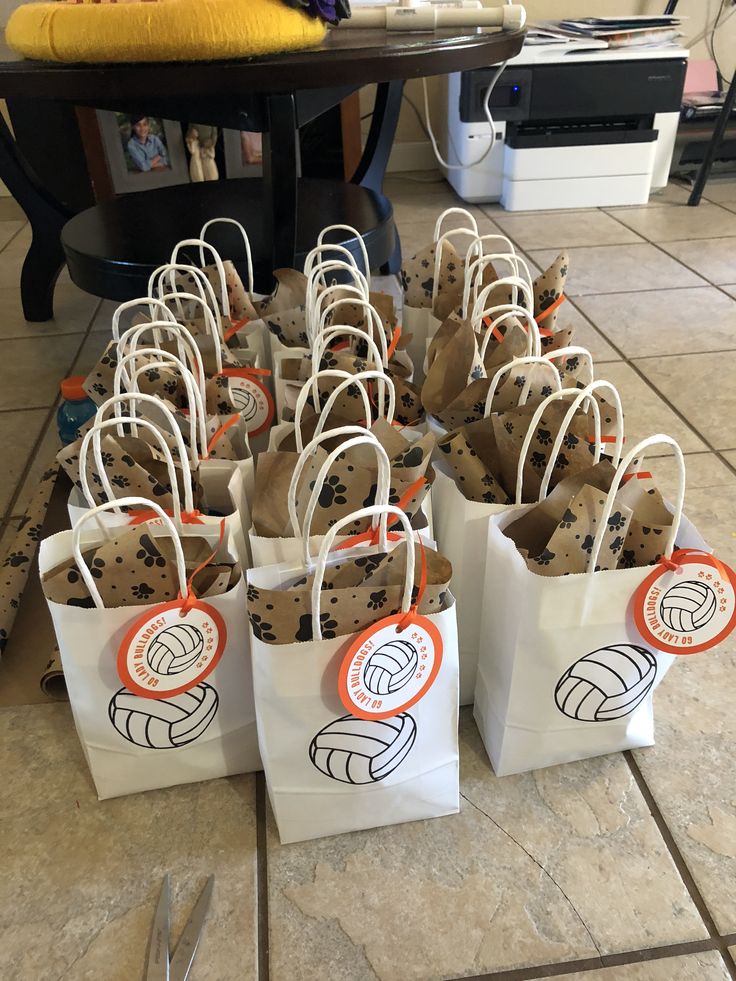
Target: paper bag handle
{"x": 533, "y": 337}
{"x": 638, "y": 451}
{"x": 94, "y": 435}
{"x": 141, "y": 301}
{"x": 200, "y": 242}
{"x": 382, "y": 486}
{"x": 471, "y": 233}
{"x": 197, "y": 416}
{"x": 467, "y": 216}
{"x": 314, "y": 383}
{"x": 315, "y": 255}
{"x": 579, "y": 396}
{"x": 384, "y": 381}
{"x": 204, "y": 286}
{"x": 132, "y": 400}
{"x": 324, "y": 336}
{"x": 312, "y": 301}
{"x": 125, "y": 502}
{"x": 371, "y": 314}
{"x": 304, "y": 457}
{"x": 246, "y": 243}
{"x": 474, "y": 275}
{"x": 321, "y": 244}
{"x": 515, "y": 282}
{"x": 511, "y": 367}
{"x": 319, "y": 573}
{"x": 213, "y": 325}
{"x": 186, "y": 346}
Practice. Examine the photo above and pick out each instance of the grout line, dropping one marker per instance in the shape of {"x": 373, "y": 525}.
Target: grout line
{"x": 596, "y": 963}
{"x": 262, "y": 940}
{"x": 16, "y": 234}
{"x": 680, "y": 864}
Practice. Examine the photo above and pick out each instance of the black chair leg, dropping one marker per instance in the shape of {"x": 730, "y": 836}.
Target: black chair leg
{"x": 714, "y": 146}
{"x": 41, "y": 267}
{"x": 393, "y": 266}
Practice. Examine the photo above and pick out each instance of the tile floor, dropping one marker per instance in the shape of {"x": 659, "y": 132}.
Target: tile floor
{"x": 622, "y": 867}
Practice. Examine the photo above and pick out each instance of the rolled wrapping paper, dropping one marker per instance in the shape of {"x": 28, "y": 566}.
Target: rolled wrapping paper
{"x": 19, "y": 558}
{"x": 52, "y": 681}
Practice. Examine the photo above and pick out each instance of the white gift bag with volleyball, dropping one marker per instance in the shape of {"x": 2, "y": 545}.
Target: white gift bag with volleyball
{"x": 461, "y": 525}
{"x": 184, "y": 712}
{"x": 564, "y": 672}
{"x": 330, "y": 771}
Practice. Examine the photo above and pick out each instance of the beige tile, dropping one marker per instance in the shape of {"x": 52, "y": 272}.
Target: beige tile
{"x": 81, "y": 878}
{"x": 664, "y": 321}
{"x": 673, "y": 193}
{"x": 645, "y": 412}
{"x": 94, "y": 345}
{"x": 731, "y": 290}
{"x": 679, "y": 222}
{"x": 33, "y": 367}
{"x": 73, "y": 310}
{"x": 720, "y": 191}
{"x": 705, "y": 966}
{"x": 703, "y": 470}
{"x": 543, "y": 867}
{"x": 689, "y": 770}
{"x": 586, "y": 334}
{"x": 416, "y": 183}
{"x": 620, "y": 268}
{"x": 564, "y": 229}
{"x": 714, "y": 259}
{"x": 702, "y": 387}
{"x": 18, "y": 434}
{"x": 730, "y": 455}
{"x": 10, "y": 210}
{"x": 103, "y": 317}
{"x": 8, "y": 231}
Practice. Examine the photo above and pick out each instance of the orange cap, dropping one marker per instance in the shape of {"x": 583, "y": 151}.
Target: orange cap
{"x": 71, "y": 388}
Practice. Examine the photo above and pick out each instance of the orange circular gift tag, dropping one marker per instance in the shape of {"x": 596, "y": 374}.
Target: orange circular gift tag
{"x": 252, "y": 400}
{"x": 166, "y": 652}
{"x": 686, "y": 605}
{"x": 386, "y": 670}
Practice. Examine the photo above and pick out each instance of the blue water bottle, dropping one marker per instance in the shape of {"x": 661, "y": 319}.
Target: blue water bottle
{"x": 75, "y": 410}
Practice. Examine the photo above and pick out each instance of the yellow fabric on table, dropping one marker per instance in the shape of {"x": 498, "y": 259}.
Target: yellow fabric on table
{"x": 168, "y": 30}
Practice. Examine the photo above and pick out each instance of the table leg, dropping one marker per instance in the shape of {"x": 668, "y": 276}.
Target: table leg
{"x": 45, "y": 258}
{"x": 714, "y": 146}
{"x": 280, "y": 178}
{"x": 372, "y": 167}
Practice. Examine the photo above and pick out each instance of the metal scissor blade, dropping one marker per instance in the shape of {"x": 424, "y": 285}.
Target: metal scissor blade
{"x": 181, "y": 960}
{"x": 157, "y": 962}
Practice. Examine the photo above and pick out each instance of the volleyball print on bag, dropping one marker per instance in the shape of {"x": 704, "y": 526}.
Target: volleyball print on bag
{"x": 360, "y": 751}
{"x": 165, "y": 723}
{"x": 175, "y": 649}
{"x": 607, "y": 684}
{"x": 389, "y": 667}
{"x": 688, "y": 606}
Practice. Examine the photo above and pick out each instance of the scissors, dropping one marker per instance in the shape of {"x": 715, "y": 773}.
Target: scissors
{"x": 159, "y": 967}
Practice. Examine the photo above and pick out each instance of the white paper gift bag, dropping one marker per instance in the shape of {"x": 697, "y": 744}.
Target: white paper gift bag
{"x": 327, "y": 770}
{"x": 199, "y": 730}
{"x": 461, "y": 525}
{"x": 564, "y": 673}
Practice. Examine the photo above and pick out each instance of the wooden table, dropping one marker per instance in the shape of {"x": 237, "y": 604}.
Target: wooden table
{"x": 273, "y": 94}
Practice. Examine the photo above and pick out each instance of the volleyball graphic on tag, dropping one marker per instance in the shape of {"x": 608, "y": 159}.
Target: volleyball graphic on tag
{"x": 688, "y": 606}
{"x": 606, "y": 684}
{"x": 165, "y": 723}
{"x": 244, "y": 401}
{"x": 360, "y": 751}
{"x": 390, "y": 667}
{"x": 175, "y": 649}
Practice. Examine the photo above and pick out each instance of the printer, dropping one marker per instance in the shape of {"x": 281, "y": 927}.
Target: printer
{"x": 574, "y": 128}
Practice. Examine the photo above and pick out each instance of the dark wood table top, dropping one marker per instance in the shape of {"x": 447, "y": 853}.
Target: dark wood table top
{"x": 346, "y": 57}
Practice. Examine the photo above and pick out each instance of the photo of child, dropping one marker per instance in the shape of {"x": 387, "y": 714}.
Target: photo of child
{"x": 144, "y": 143}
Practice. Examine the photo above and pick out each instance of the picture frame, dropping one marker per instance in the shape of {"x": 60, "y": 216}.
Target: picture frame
{"x": 243, "y": 154}
{"x": 142, "y": 152}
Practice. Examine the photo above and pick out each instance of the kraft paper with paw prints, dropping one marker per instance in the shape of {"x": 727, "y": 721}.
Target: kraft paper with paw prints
{"x": 136, "y": 568}
{"x": 350, "y": 485}
{"x": 556, "y": 536}
{"x": 417, "y": 280}
{"x": 358, "y": 590}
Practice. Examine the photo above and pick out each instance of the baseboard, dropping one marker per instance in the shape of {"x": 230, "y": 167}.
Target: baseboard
{"x": 411, "y": 156}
